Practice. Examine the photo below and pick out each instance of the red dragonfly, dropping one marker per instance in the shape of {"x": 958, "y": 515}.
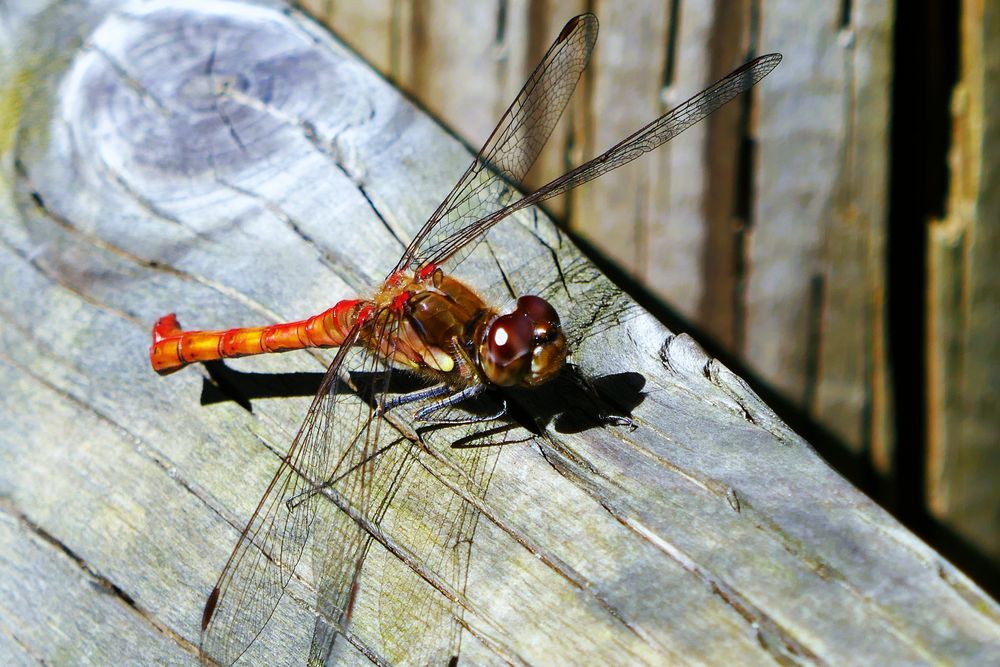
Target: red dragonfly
{"x": 421, "y": 320}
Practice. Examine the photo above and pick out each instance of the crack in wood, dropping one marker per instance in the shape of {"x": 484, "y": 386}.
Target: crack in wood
{"x": 223, "y": 116}
{"x": 946, "y": 572}
{"x": 691, "y": 361}
{"x": 845, "y": 14}
{"x": 779, "y": 642}
{"x": 734, "y": 500}
{"x": 100, "y": 581}
{"x": 604, "y": 306}
{"x": 756, "y": 411}
{"x": 28, "y": 649}
{"x": 151, "y": 264}
{"x": 375, "y": 209}
{"x": 671, "y": 47}
{"x": 145, "y": 94}
{"x": 32, "y": 258}
{"x": 556, "y": 564}
{"x": 146, "y": 204}
{"x": 291, "y": 223}
{"x": 325, "y": 146}
{"x": 553, "y": 252}
{"x": 816, "y": 311}
{"x": 511, "y": 292}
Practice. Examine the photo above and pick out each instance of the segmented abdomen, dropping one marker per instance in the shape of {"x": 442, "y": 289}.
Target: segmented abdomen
{"x": 172, "y": 348}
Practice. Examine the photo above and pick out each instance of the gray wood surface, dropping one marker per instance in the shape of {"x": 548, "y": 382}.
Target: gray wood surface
{"x": 234, "y": 163}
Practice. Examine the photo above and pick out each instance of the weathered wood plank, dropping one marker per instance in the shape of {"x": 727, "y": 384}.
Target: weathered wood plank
{"x": 963, "y": 415}
{"x": 815, "y": 297}
{"x": 611, "y": 214}
{"x": 235, "y": 163}
{"x": 465, "y": 62}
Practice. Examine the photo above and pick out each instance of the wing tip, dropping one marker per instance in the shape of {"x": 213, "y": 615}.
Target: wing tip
{"x": 769, "y": 60}
{"x": 572, "y": 24}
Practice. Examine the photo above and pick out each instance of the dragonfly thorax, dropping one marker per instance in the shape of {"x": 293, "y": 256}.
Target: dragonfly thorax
{"x": 448, "y": 331}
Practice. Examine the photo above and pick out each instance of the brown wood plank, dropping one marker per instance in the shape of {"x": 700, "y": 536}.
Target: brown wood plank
{"x": 815, "y": 301}
{"x": 963, "y": 410}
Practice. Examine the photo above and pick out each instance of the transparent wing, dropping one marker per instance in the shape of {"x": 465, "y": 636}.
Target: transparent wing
{"x": 418, "y": 624}
{"x": 367, "y": 487}
{"x": 419, "y": 503}
{"x": 646, "y": 139}
{"x": 336, "y": 436}
{"x": 492, "y": 179}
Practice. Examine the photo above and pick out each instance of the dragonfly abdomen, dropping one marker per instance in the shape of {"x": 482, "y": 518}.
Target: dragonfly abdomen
{"x": 172, "y": 348}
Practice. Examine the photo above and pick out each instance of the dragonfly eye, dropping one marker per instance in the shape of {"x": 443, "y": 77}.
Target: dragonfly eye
{"x": 526, "y": 347}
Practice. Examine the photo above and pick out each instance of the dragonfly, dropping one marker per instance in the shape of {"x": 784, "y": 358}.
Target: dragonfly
{"x": 422, "y": 321}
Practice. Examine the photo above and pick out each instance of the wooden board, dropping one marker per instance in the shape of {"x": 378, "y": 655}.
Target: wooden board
{"x": 963, "y": 416}
{"x": 236, "y": 164}
{"x": 815, "y": 297}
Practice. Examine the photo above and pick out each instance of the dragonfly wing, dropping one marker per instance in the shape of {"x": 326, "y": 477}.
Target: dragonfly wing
{"x": 418, "y": 624}
{"x": 492, "y": 179}
{"x": 255, "y": 577}
{"x": 366, "y": 484}
{"x": 419, "y": 502}
{"x": 642, "y": 141}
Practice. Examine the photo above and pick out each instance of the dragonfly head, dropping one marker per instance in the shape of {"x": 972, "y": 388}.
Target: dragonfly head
{"x": 526, "y": 347}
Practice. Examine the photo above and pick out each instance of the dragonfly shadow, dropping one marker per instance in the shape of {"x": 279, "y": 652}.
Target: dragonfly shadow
{"x": 225, "y": 384}
{"x": 572, "y": 402}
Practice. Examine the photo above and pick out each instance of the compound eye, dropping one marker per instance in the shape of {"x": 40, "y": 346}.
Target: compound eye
{"x": 543, "y": 317}
{"x": 510, "y": 338}
{"x": 538, "y": 310}
{"x": 506, "y": 354}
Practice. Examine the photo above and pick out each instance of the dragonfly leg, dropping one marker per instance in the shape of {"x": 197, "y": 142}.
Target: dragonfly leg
{"x": 424, "y": 413}
{"x": 616, "y": 420}
{"x": 411, "y": 397}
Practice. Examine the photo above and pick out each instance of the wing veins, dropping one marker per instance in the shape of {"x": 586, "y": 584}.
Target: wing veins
{"x": 508, "y": 154}
{"x": 273, "y": 553}
{"x": 645, "y": 139}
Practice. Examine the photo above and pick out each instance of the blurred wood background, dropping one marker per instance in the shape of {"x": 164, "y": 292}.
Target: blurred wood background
{"x": 843, "y": 256}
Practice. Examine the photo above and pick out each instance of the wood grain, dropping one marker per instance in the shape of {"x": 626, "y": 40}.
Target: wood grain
{"x": 963, "y": 415}
{"x": 236, "y": 164}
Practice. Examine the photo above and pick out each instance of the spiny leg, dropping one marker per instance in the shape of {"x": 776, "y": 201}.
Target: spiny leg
{"x": 421, "y": 415}
{"x": 424, "y": 413}
{"x": 412, "y": 397}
